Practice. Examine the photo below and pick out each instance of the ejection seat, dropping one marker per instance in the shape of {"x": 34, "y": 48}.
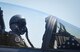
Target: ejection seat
{"x": 49, "y": 35}
{"x": 53, "y": 32}
{"x": 64, "y": 40}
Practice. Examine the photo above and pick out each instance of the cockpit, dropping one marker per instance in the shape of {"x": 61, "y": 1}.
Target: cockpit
{"x": 35, "y": 30}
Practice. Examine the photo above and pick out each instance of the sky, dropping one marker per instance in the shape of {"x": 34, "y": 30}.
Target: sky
{"x": 67, "y": 10}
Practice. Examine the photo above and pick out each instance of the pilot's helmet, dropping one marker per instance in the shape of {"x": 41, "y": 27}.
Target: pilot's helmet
{"x": 17, "y": 23}
{"x": 17, "y": 19}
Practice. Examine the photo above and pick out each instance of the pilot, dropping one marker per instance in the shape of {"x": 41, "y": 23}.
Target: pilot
{"x": 18, "y": 27}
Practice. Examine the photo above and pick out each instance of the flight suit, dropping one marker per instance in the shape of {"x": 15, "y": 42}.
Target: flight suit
{"x": 11, "y": 40}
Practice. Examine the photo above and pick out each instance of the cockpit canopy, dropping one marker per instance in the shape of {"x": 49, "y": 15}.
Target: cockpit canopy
{"x": 39, "y": 24}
